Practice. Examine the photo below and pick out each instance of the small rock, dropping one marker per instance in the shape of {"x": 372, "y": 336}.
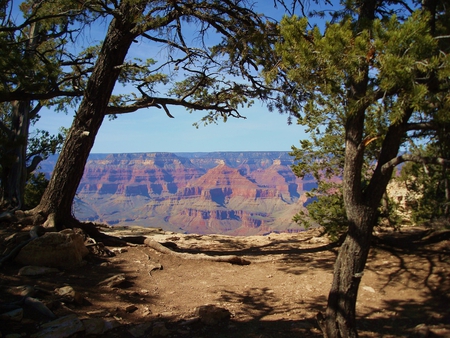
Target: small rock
{"x": 421, "y": 331}
{"x": 33, "y": 270}
{"x": 70, "y": 295}
{"x": 211, "y": 314}
{"x": 134, "y": 294}
{"x": 114, "y": 281}
{"x": 98, "y": 313}
{"x": 39, "y": 306}
{"x": 60, "y": 328}
{"x": 368, "y": 288}
{"x": 119, "y": 250}
{"x": 13, "y": 315}
{"x": 98, "y": 325}
{"x": 22, "y": 290}
{"x": 146, "y": 312}
{"x": 131, "y": 308}
{"x": 318, "y": 240}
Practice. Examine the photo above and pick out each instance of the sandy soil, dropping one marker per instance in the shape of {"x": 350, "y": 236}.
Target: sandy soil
{"x": 404, "y": 291}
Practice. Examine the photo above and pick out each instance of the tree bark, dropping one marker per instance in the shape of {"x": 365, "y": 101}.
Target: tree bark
{"x": 361, "y": 206}
{"x": 15, "y": 171}
{"x": 56, "y": 203}
{"x": 340, "y": 316}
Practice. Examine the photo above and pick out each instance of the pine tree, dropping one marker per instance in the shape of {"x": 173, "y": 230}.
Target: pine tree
{"x": 366, "y": 88}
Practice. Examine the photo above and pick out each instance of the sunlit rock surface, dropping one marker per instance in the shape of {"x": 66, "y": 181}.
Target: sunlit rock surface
{"x": 234, "y": 193}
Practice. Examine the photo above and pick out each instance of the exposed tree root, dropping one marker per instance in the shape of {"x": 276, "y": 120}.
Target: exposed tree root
{"x": 411, "y": 241}
{"x": 50, "y": 223}
{"x": 227, "y": 259}
{"x": 165, "y": 248}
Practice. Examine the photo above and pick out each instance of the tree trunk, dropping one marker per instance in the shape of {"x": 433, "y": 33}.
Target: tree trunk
{"x": 56, "y": 203}
{"x": 340, "y": 316}
{"x": 15, "y": 170}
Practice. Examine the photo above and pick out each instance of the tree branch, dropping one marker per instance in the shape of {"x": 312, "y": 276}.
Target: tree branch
{"x": 413, "y": 158}
{"x": 34, "y": 163}
{"x": 19, "y": 95}
{"x": 164, "y": 102}
{"x": 421, "y": 126}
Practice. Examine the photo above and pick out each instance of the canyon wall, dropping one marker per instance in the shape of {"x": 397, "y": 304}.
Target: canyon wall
{"x": 234, "y": 193}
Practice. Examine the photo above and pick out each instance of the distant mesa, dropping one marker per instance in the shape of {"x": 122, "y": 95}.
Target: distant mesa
{"x": 234, "y": 193}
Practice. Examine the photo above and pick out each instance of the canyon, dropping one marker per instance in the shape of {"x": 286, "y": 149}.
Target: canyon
{"x": 232, "y": 193}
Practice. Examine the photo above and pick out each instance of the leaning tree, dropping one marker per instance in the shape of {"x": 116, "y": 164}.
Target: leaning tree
{"x": 192, "y": 71}
{"x": 367, "y": 87}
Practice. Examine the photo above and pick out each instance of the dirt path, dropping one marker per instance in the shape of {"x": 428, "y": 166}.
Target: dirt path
{"x": 403, "y": 293}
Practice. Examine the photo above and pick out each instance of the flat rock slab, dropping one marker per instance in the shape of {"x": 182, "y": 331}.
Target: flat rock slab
{"x": 64, "y": 249}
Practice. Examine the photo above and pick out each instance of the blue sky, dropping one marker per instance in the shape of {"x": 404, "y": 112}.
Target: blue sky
{"x": 150, "y": 130}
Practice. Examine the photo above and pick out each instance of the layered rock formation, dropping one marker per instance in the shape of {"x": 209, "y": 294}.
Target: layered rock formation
{"x": 230, "y": 193}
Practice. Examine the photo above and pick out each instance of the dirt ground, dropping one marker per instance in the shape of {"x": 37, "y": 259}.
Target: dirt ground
{"x": 404, "y": 291}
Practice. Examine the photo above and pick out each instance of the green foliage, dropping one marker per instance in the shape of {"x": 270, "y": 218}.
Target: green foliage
{"x": 36, "y": 185}
{"x": 396, "y": 64}
{"x": 37, "y": 69}
{"x": 326, "y": 208}
{"x": 37, "y": 46}
{"x": 44, "y": 144}
{"x": 390, "y": 212}
{"x": 427, "y": 185}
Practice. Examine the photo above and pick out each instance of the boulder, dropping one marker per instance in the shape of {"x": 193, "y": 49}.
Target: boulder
{"x": 64, "y": 249}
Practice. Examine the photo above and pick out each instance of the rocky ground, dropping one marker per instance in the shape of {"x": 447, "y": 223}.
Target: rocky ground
{"x": 137, "y": 291}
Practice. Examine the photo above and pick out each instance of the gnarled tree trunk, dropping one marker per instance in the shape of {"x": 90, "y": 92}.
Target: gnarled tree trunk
{"x": 56, "y": 203}
{"x": 340, "y": 316}
{"x": 361, "y": 205}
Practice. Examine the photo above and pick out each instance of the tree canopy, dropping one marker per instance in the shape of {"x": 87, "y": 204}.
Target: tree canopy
{"x": 37, "y": 70}
{"x": 187, "y": 67}
{"x": 368, "y": 88}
